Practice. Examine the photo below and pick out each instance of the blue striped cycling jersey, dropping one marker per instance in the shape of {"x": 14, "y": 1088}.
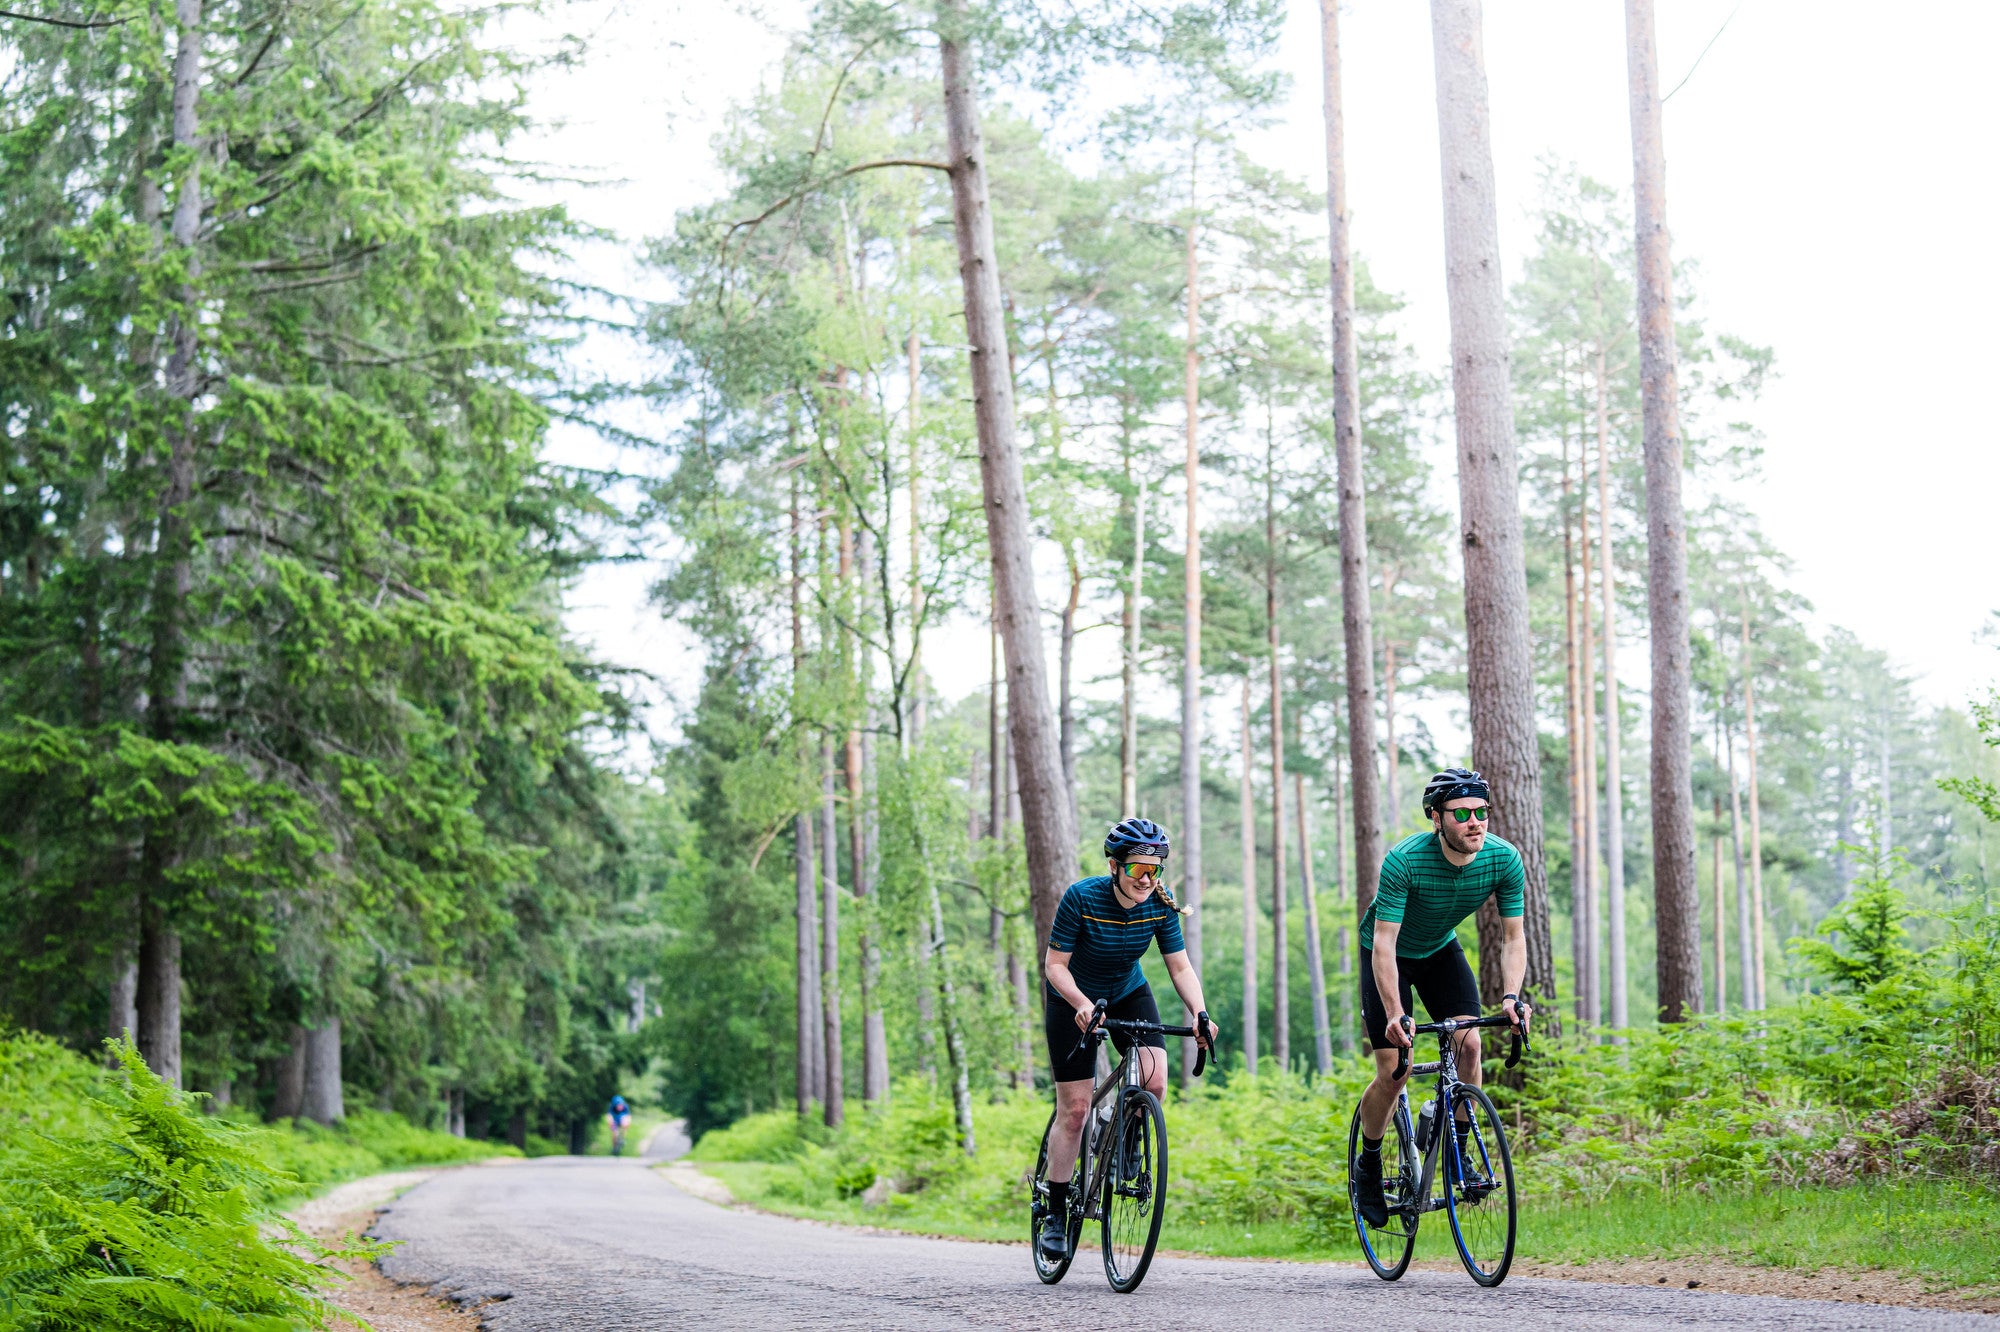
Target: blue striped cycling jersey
{"x": 1105, "y": 941}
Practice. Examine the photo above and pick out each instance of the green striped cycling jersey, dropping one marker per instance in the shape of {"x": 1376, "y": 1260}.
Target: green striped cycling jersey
{"x": 1429, "y": 896}
{"x": 1105, "y": 941}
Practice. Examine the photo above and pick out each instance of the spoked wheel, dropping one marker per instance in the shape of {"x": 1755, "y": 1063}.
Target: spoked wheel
{"x": 1135, "y": 1190}
{"x": 1388, "y": 1247}
{"x": 1038, "y": 1207}
{"x": 1479, "y": 1190}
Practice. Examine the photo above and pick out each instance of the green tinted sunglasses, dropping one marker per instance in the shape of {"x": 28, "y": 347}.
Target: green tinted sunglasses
{"x": 1461, "y": 815}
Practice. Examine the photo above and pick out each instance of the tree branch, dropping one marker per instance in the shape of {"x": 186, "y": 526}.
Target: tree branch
{"x": 64, "y": 23}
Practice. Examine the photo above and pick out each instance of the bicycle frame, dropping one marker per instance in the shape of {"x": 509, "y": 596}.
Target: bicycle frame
{"x": 1445, "y": 1066}
{"x": 1097, "y": 1141}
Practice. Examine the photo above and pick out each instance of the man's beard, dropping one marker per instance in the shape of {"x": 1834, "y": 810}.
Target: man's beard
{"x": 1456, "y": 837}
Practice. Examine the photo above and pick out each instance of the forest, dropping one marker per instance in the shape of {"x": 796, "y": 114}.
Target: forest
{"x": 310, "y": 789}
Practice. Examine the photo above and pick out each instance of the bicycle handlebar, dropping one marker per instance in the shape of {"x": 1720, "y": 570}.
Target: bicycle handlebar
{"x": 1519, "y": 1046}
{"x": 1099, "y": 1024}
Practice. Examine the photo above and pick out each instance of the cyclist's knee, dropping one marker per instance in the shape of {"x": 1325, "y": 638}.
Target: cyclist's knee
{"x": 1469, "y": 1048}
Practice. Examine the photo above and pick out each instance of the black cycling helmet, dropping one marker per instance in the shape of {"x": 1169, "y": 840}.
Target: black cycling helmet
{"x": 1454, "y": 784}
{"x": 1136, "y": 837}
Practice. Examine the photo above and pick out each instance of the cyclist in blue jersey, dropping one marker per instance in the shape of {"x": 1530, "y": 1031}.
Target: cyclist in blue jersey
{"x": 1103, "y": 926}
{"x": 619, "y": 1118}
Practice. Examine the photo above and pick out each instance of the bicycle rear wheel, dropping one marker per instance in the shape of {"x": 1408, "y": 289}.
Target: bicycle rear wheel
{"x": 1038, "y": 1207}
{"x": 1388, "y": 1247}
{"x": 1135, "y": 1189}
{"x": 1479, "y": 1189}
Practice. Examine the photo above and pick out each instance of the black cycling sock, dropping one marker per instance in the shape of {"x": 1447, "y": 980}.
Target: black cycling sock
{"x": 1373, "y": 1146}
{"x": 1058, "y": 1197}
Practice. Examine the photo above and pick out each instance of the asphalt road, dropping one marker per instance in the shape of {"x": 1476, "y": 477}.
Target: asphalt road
{"x": 583, "y": 1244}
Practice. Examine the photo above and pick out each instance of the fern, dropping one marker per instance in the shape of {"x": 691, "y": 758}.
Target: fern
{"x": 152, "y": 1220}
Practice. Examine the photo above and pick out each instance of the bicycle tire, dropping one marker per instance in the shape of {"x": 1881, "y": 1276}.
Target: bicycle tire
{"x": 1472, "y": 1185}
{"x": 1049, "y": 1272}
{"x": 1388, "y": 1249}
{"x": 1135, "y": 1189}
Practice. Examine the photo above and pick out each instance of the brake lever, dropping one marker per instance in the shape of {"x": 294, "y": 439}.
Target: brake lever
{"x": 1201, "y": 1024}
{"x": 1096, "y": 1017}
{"x": 1403, "y": 1051}
{"x": 1520, "y": 1047}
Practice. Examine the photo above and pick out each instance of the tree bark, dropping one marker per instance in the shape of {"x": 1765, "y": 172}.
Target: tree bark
{"x": 1128, "y": 714}
{"x": 833, "y": 1099}
{"x": 1355, "y": 620}
{"x": 1499, "y": 663}
{"x": 1754, "y": 983}
{"x": 1066, "y": 705}
{"x": 123, "y": 1023}
{"x": 1587, "y": 702}
{"x": 1051, "y": 837}
{"x": 1721, "y": 947}
{"x": 1581, "y": 853}
{"x": 1613, "y": 806}
{"x": 811, "y": 1046}
{"x": 1247, "y": 813}
{"x": 1676, "y": 913}
{"x": 158, "y": 989}
{"x": 323, "y": 1103}
{"x": 1281, "y": 994}
{"x": 1391, "y": 806}
{"x": 1315, "y": 961}
{"x": 918, "y": 716}
{"x": 1747, "y": 968}
{"x": 1191, "y": 564}
{"x": 854, "y": 568}
{"x": 289, "y": 1099}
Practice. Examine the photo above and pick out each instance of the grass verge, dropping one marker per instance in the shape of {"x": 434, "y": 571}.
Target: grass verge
{"x": 1945, "y": 1235}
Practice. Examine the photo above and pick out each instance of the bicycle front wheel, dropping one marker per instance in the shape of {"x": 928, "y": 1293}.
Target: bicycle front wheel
{"x": 1050, "y": 1271}
{"x": 1388, "y": 1247}
{"x": 1479, "y": 1188}
{"x": 1135, "y": 1189}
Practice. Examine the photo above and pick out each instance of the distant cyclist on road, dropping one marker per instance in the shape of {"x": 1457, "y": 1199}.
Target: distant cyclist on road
{"x": 1430, "y": 883}
{"x": 1103, "y": 926}
{"x": 619, "y": 1117}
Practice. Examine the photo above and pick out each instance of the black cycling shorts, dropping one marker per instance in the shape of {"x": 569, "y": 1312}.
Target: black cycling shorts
{"x": 1444, "y": 981}
{"x": 1059, "y": 1026}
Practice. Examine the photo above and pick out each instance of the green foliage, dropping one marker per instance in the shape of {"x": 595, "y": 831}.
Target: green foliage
{"x": 1870, "y": 928}
{"x": 149, "y": 1218}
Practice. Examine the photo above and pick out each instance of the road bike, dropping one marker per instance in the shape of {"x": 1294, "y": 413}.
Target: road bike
{"x": 1121, "y": 1175}
{"x": 1469, "y": 1176}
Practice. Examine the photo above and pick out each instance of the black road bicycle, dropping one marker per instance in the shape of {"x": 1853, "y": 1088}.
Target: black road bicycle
{"x": 1428, "y": 1164}
{"x": 1121, "y": 1173}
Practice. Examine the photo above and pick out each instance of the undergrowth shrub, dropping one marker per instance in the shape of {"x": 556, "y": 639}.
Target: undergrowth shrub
{"x": 130, "y": 1209}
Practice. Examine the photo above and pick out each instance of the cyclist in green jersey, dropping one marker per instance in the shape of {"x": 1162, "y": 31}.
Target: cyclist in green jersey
{"x": 1430, "y": 883}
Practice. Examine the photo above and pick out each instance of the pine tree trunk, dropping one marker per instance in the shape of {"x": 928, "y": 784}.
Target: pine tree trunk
{"x": 1281, "y": 994}
{"x": 1247, "y": 813}
{"x": 1587, "y": 703}
{"x": 1573, "y": 709}
{"x": 1066, "y": 710}
{"x": 1190, "y": 831}
{"x": 917, "y": 689}
{"x": 1747, "y": 963}
{"x": 1754, "y": 983}
{"x": 1315, "y": 961}
{"x": 1391, "y": 806}
{"x": 954, "y": 1038}
{"x": 1128, "y": 708}
{"x": 288, "y": 1100}
{"x": 811, "y": 1046}
{"x": 323, "y": 1103}
{"x": 1355, "y": 620}
{"x": 123, "y": 1023}
{"x": 874, "y": 1051}
{"x": 1614, "y": 776}
{"x": 833, "y": 1099}
{"x": 158, "y": 988}
{"x": 1676, "y": 915}
{"x": 1499, "y": 663}
{"x": 1721, "y": 947}
{"x": 1050, "y": 835}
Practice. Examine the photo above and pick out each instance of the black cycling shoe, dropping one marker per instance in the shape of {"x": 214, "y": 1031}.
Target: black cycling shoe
{"x": 1054, "y": 1239}
{"x": 1368, "y": 1189}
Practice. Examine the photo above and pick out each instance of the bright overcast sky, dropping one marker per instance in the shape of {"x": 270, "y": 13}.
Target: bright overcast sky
{"x": 1822, "y": 172}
